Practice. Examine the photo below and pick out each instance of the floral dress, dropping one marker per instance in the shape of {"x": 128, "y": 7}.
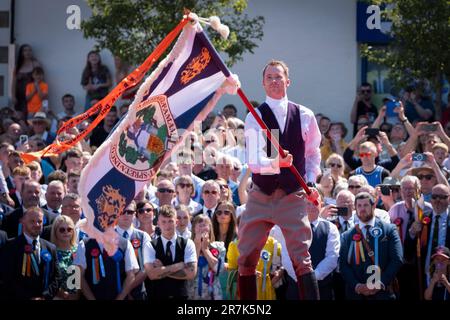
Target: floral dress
{"x": 206, "y": 284}
{"x": 65, "y": 260}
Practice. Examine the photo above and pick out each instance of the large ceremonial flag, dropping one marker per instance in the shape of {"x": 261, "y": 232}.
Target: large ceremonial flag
{"x": 185, "y": 87}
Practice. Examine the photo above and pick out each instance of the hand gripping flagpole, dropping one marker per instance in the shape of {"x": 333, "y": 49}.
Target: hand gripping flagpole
{"x": 276, "y": 144}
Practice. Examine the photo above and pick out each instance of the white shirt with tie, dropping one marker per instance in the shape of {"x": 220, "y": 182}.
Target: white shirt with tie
{"x": 258, "y": 161}
{"x": 205, "y": 211}
{"x": 190, "y": 254}
{"x": 131, "y": 263}
{"x": 38, "y": 246}
{"x": 442, "y": 235}
{"x": 350, "y": 224}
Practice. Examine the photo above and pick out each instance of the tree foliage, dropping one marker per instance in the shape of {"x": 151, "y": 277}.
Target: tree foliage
{"x": 131, "y": 29}
{"x": 420, "y": 49}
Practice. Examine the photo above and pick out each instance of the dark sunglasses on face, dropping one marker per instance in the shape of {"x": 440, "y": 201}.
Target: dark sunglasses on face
{"x": 145, "y": 210}
{"x": 214, "y": 192}
{"x": 395, "y": 189}
{"x": 425, "y": 176}
{"x": 209, "y": 141}
{"x": 335, "y": 165}
{"x": 439, "y": 196}
{"x": 165, "y": 190}
{"x": 354, "y": 187}
{"x": 225, "y": 212}
{"x": 64, "y": 230}
{"x": 184, "y": 185}
{"x": 129, "y": 212}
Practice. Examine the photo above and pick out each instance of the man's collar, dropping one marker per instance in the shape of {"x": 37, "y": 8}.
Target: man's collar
{"x": 121, "y": 231}
{"x": 30, "y": 239}
{"x": 173, "y": 239}
{"x": 276, "y": 102}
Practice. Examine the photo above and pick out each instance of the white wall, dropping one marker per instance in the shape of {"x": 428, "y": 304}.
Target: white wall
{"x": 316, "y": 38}
{"x": 62, "y": 52}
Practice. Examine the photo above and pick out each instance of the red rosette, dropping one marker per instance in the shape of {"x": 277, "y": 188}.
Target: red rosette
{"x": 28, "y": 249}
{"x": 214, "y": 252}
{"x": 398, "y": 221}
{"x": 95, "y": 252}
{"x": 426, "y": 220}
{"x": 136, "y": 243}
{"x": 357, "y": 237}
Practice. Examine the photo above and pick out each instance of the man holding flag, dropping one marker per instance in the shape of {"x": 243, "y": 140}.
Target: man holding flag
{"x": 275, "y": 197}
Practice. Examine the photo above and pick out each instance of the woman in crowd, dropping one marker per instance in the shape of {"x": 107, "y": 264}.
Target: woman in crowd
{"x": 22, "y": 75}
{"x": 326, "y": 185}
{"x": 335, "y": 163}
{"x": 96, "y": 79}
{"x": 145, "y": 216}
{"x": 211, "y": 258}
{"x": 184, "y": 189}
{"x": 225, "y": 230}
{"x": 334, "y": 140}
{"x": 225, "y": 191}
{"x": 63, "y": 236}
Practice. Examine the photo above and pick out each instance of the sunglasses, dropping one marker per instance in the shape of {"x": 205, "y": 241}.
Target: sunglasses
{"x": 165, "y": 190}
{"x": 354, "y": 187}
{"x": 425, "y": 176}
{"x": 129, "y": 212}
{"x": 214, "y": 192}
{"x": 64, "y": 230}
{"x": 366, "y": 91}
{"x": 365, "y": 154}
{"x": 223, "y": 186}
{"x": 145, "y": 210}
{"x": 395, "y": 189}
{"x": 225, "y": 212}
{"x": 335, "y": 165}
{"x": 439, "y": 196}
{"x": 209, "y": 141}
{"x": 184, "y": 185}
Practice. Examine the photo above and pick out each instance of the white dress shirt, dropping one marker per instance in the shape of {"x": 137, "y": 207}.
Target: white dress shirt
{"x": 131, "y": 263}
{"x": 363, "y": 225}
{"x": 327, "y": 265}
{"x": 205, "y": 211}
{"x": 350, "y": 221}
{"x": 256, "y": 141}
{"x": 329, "y": 262}
{"x": 190, "y": 254}
{"x": 38, "y": 246}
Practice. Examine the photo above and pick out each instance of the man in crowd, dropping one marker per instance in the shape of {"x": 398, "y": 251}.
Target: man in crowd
{"x": 359, "y": 254}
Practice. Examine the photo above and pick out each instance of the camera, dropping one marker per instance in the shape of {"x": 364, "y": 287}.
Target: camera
{"x": 372, "y": 132}
{"x": 342, "y": 211}
{"x": 23, "y": 139}
{"x": 419, "y": 157}
{"x": 429, "y": 127}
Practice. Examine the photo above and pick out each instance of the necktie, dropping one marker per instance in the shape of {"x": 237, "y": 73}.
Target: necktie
{"x": 410, "y": 219}
{"x": 34, "y": 243}
{"x": 313, "y": 228}
{"x": 125, "y": 235}
{"x": 434, "y": 244}
{"x": 346, "y": 226}
{"x": 209, "y": 212}
{"x": 367, "y": 231}
{"x": 168, "y": 252}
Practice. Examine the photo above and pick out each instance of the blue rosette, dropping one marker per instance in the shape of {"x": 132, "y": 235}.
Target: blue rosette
{"x": 117, "y": 257}
{"x": 376, "y": 233}
{"x": 46, "y": 256}
{"x": 265, "y": 256}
